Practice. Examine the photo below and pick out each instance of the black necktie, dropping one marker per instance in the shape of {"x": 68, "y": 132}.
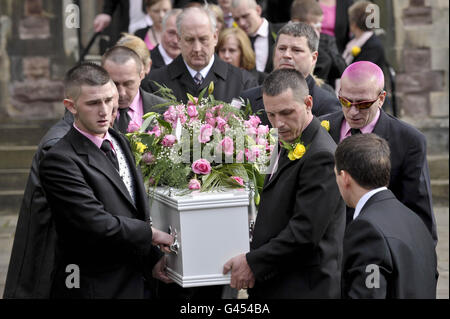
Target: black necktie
{"x": 252, "y": 41}
{"x": 124, "y": 119}
{"x": 106, "y": 147}
{"x": 354, "y": 131}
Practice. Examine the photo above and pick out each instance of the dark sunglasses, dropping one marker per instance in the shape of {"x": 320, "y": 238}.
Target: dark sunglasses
{"x": 359, "y": 105}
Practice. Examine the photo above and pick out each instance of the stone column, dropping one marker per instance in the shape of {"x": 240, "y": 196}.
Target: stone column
{"x": 37, "y": 60}
{"x": 422, "y": 52}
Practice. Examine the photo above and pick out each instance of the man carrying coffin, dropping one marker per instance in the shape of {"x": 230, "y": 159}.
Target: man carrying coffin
{"x": 296, "y": 251}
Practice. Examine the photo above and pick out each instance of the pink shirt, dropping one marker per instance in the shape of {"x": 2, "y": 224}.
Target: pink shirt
{"x": 147, "y": 41}
{"x": 136, "y": 110}
{"x": 329, "y": 19}
{"x": 345, "y": 128}
{"x": 95, "y": 139}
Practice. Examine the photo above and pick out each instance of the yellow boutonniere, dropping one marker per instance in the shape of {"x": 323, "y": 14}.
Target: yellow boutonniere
{"x": 297, "y": 152}
{"x": 356, "y": 50}
{"x": 140, "y": 147}
{"x": 325, "y": 125}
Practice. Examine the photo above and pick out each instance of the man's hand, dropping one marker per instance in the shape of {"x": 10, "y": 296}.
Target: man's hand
{"x": 101, "y": 21}
{"x": 164, "y": 240}
{"x": 241, "y": 275}
{"x": 159, "y": 271}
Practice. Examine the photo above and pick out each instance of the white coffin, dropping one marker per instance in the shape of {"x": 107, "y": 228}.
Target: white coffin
{"x": 210, "y": 229}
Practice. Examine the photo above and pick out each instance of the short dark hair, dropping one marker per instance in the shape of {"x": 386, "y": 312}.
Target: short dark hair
{"x": 282, "y": 79}
{"x": 120, "y": 55}
{"x": 300, "y": 9}
{"x": 366, "y": 157}
{"x": 357, "y": 14}
{"x": 85, "y": 73}
{"x": 300, "y": 29}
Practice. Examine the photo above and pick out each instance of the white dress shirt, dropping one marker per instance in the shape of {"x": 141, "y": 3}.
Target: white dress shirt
{"x": 167, "y": 59}
{"x": 363, "y": 200}
{"x": 262, "y": 45}
{"x": 204, "y": 71}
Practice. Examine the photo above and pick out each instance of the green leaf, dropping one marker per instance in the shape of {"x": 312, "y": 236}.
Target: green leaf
{"x": 202, "y": 93}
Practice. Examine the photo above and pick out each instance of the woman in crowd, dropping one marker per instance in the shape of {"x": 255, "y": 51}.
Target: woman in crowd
{"x": 234, "y": 47}
{"x": 156, "y": 9}
{"x": 335, "y": 20}
{"x": 365, "y": 46}
{"x": 137, "y": 45}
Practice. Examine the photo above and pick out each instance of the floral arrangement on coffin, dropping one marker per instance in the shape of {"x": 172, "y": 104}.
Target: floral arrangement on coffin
{"x": 203, "y": 145}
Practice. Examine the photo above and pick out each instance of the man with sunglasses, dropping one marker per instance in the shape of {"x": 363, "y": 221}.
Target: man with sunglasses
{"x": 362, "y": 97}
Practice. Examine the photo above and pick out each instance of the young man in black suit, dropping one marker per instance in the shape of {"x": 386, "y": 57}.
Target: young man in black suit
{"x": 97, "y": 199}
{"x": 296, "y": 48}
{"x": 362, "y": 97}
{"x": 388, "y": 251}
{"x": 197, "y": 66}
{"x": 296, "y": 251}
{"x": 262, "y": 33}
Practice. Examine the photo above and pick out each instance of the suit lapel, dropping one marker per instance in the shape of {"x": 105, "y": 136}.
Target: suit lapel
{"x": 138, "y": 179}
{"x": 382, "y": 126}
{"x": 96, "y": 159}
{"x": 335, "y": 126}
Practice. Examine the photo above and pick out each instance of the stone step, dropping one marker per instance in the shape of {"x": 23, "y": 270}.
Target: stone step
{"x": 438, "y": 165}
{"x": 13, "y": 179}
{"x": 21, "y": 135}
{"x": 439, "y": 189}
{"x": 14, "y": 157}
{"x": 10, "y": 202}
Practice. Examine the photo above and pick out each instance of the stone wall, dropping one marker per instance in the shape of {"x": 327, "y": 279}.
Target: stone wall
{"x": 422, "y": 50}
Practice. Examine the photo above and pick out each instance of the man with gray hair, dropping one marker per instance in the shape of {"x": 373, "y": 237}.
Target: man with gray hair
{"x": 197, "y": 66}
{"x": 296, "y": 48}
{"x": 164, "y": 53}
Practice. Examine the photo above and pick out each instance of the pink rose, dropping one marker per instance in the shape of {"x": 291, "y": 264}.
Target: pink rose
{"x": 169, "y": 140}
{"x": 221, "y": 124}
{"x": 170, "y": 115}
{"x": 206, "y": 131}
{"x": 217, "y": 108}
{"x": 192, "y": 110}
{"x": 148, "y": 158}
{"x": 238, "y": 180}
{"x": 261, "y": 141}
{"x": 133, "y": 127}
{"x": 251, "y": 131}
{"x": 263, "y": 129}
{"x": 194, "y": 184}
{"x": 209, "y": 118}
{"x": 252, "y": 122}
{"x": 155, "y": 130}
{"x": 240, "y": 157}
{"x": 201, "y": 166}
{"x": 227, "y": 146}
{"x": 253, "y": 153}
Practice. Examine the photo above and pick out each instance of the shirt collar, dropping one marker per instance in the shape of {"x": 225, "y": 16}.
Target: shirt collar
{"x": 365, "y": 129}
{"x": 135, "y": 103}
{"x": 363, "y": 200}
{"x": 95, "y": 139}
{"x": 204, "y": 71}
{"x": 263, "y": 30}
{"x": 167, "y": 59}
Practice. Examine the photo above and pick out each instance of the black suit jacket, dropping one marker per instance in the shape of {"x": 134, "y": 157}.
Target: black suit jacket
{"x": 99, "y": 227}
{"x": 229, "y": 81}
{"x": 372, "y": 51}
{"x": 296, "y": 251}
{"x": 342, "y": 27}
{"x": 330, "y": 63}
{"x": 30, "y": 271}
{"x": 387, "y": 234}
{"x": 324, "y": 102}
{"x": 157, "y": 59}
{"x": 410, "y": 178}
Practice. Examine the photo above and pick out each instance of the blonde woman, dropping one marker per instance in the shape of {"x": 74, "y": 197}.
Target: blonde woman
{"x": 137, "y": 45}
{"x": 234, "y": 47}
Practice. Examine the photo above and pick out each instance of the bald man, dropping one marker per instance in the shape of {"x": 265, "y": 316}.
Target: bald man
{"x": 362, "y": 97}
